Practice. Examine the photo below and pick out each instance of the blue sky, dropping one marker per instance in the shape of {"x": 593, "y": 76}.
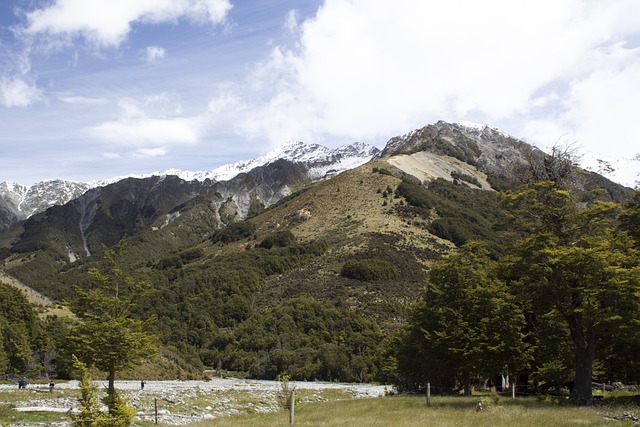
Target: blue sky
{"x": 93, "y": 89}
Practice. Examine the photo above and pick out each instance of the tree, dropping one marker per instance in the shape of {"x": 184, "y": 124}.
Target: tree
{"x": 20, "y": 332}
{"x": 630, "y": 218}
{"x": 569, "y": 262}
{"x": 467, "y": 324}
{"x": 107, "y": 335}
{"x": 91, "y": 415}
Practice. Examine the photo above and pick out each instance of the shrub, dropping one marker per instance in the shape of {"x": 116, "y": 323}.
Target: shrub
{"x": 279, "y": 239}
{"x": 370, "y": 270}
{"x": 234, "y": 232}
{"x": 466, "y": 178}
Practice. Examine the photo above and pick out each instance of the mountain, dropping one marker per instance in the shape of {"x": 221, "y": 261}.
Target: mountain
{"x": 18, "y": 202}
{"x": 275, "y": 270}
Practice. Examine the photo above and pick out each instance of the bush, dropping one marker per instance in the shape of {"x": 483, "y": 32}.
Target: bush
{"x": 234, "y": 232}
{"x": 370, "y": 270}
{"x": 466, "y": 178}
{"x": 279, "y": 239}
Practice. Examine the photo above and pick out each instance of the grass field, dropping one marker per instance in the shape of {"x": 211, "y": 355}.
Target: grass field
{"x": 444, "y": 411}
{"x": 339, "y": 408}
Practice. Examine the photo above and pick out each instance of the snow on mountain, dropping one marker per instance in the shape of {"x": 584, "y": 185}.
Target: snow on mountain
{"x": 318, "y": 158}
{"x": 625, "y": 171}
{"x": 23, "y": 201}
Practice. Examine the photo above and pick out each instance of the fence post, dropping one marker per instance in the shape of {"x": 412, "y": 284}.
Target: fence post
{"x": 292, "y": 407}
{"x": 513, "y": 390}
{"x": 428, "y": 394}
{"x": 155, "y": 406}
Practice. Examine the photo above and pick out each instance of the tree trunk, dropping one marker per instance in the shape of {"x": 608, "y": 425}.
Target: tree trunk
{"x": 111, "y": 389}
{"x": 581, "y": 393}
{"x": 467, "y": 384}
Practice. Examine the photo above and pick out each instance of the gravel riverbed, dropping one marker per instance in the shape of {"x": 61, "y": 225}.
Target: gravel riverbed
{"x": 185, "y": 402}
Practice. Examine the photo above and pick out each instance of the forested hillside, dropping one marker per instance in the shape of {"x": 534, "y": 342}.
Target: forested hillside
{"x": 409, "y": 269}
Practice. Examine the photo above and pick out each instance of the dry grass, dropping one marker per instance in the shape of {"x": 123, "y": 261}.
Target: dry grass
{"x": 412, "y": 411}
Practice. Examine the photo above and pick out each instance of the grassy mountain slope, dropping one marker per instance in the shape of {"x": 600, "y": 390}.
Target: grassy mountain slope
{"x": 312, "y": 285}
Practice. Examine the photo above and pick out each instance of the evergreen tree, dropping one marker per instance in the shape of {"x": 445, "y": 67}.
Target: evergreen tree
{"x": 570, "y": 263}
{"x": 107, "y": 335}
{"x": 20, "y": 332}
{"x": 467, "y": 325}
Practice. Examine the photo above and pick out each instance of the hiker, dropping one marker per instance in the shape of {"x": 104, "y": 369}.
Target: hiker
{"x": 22, "y": 383}
{"x": 142, "y": 383}
{"x": 51, "y": 386}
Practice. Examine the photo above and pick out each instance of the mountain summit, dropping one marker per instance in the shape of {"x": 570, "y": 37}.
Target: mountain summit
{"x": 19, "y": 202}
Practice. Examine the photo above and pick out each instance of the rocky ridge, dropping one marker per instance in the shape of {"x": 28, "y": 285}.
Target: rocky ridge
{"x": 19, "y": 202}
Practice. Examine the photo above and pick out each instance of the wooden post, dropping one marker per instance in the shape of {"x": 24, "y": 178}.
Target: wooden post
{"x": 155, "y": 405}
{"x": 513, "y": 390}
{"x": 428, "y": 394}
{"x": 603, "y": 388}
{"x": 292, "y": 407}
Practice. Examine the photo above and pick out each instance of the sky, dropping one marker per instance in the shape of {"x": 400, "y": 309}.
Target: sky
{"x": 94, "y": 89}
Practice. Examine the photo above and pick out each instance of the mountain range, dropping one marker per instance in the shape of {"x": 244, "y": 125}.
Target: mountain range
{"x": 19, "y": 202}
{"x": 81, "y": 217}
{"x": 299, "y": 260}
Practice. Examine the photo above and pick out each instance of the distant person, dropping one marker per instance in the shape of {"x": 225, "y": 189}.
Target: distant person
{"x": 51, "y": 386}
{"x": 142, "y": 383}
{"x": 22, "y": 383}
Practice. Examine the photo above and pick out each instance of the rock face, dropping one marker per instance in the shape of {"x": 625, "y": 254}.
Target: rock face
{"x": 18, "y": 202}
{"x": 485, "y": 148}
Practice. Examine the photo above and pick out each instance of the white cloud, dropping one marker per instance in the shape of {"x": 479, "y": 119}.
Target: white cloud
{"x": 153, "y": 53}
{"x": 82, "y": 100}
{"x": 154, "y": 120}
{"x": 369, "y": 69}
{"x": 145, "y": 131}
{"x": 108, "y": 23}
{"x": 16, "y": 92}
{"x": 150, "y": 152}
{"x": 291, "y": 21}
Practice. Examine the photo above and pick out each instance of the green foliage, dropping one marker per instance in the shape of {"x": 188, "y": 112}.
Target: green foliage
{"x": 467, "y": 325}
{"x": 453, "y": 212}
{"x": 370, "y": 270}
{"x": 382, "y": 171}
{"x": 278, "y": 239}
{"x": 630, "y": 218}
{"x": 569, "y": 263}
{"x": 308, "y": 340}
{"x": 90, "y": 414}
{"x": 21, "y": 334}
{"x": 234, "y": 232}
{"x": 459, "y": 176}
{"x": 283, "y": 395}
{"x": 107, "y": 335}
{"x": 118, "y": 414}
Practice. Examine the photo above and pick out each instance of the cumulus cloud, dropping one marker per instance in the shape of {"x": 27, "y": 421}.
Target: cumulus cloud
{"x": 109, "y": 23}
{"x": 154, "y": 53}
{"x": 144, "y": 131}
{"x": 366, "y": 69}
{"x": 154, "y": 120}
{"x": 16, "y": 92}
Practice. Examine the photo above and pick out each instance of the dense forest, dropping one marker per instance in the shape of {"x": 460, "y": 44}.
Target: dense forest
{"x": 543, "y": 286}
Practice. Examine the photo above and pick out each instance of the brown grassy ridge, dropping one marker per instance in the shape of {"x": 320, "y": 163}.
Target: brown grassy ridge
{"x": 352, "y": 214}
